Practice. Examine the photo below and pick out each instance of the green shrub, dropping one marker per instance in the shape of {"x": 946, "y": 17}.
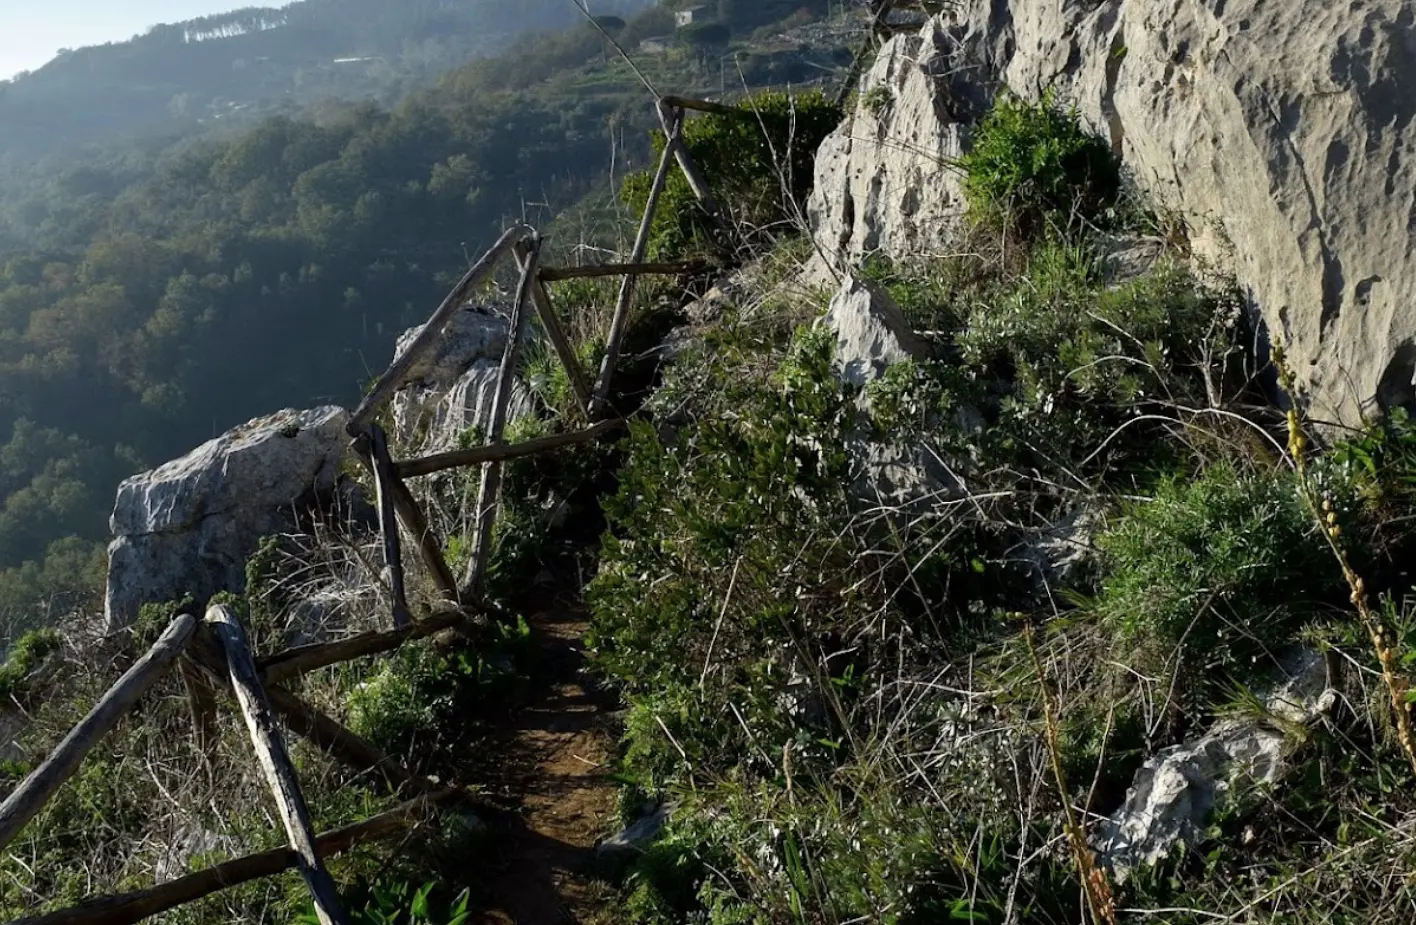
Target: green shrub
{"x": 1033, "y": 163}
{"x": 423, "y": 701}
{"x": 1214, "y": 571}
{"x": 25, "y": 657}
{"x": 758, "y": 163}
{"x": 397, "y": 902}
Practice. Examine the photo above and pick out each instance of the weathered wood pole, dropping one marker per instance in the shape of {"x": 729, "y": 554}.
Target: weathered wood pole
{"x": 416, "y": 524}
{"x": 620, "y": 321}
{"x": 476, "y": 575}
{"x": 541, "y": 299}
{"x": 384, "y": 479}
{"x": 27, "y": 799}
{"x": 427, "y": 338}
{"x": 343, "y": 744}
{"x": 293, "y": 663}
{"x": 558, "y": 274}
{"x": 457, "y": 459}
{"x": 275, "y": 762}
{"x": 127, "y": 908}
{"x": 670, "y": 118}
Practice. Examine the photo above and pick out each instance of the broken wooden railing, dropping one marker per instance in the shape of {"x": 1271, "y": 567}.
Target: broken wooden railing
{"x": 396, "y": 503}
{"x": 216, "y": 663}
{"x": 214, "y": 658}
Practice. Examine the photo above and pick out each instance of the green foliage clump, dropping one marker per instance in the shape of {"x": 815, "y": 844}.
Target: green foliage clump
{"x": 423, "y": 701}
{"x": 759, "y": 164}
{"x": 396, "y": 902}
{"x": 1213, "y": 571}
{"x": 26, "y": 655}
{"x": 1034, "y": 162}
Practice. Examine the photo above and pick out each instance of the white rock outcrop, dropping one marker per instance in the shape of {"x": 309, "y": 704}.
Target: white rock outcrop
{"x": 189, "y": 526}
{"x": 884, "y": 180}
{"x": 1284, "y": 132}
{"x": 871, "y": 331}
{"x": 1174, "y": 792}
{"x": 452, "y": 390}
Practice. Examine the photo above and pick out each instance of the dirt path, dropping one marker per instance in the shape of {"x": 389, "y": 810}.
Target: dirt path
{"x": 550, "y": 767}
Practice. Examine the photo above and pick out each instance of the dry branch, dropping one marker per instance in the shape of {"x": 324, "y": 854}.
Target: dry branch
{"x": 427, "y": 338}
{"x": 496, "y": 428}
{"x": 292, "y": 663}
{"x": 457, "y": 459}
{"x": 128, "y": 908}
{"x": 613, "y": 340}
{"x": 275, "y": 762}
{"x": 26, "y": 800}
{"x": 384, "y": 481}
{"x": 201, "y": 698}
{"x": 557, "y": 274}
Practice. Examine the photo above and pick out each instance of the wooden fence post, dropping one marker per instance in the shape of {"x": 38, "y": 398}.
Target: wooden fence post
{"x": 275, "y": 762}
{"x": 541, "y": 299}
{"x": 620, "y": 321}
{"x": 492, "y": 471}
{"x": 392, "y": 380}
{"x": 384, "y": 479}
{"x": 26, "y": 800}
{"x": 672, "y": 118}
{"x": 411, "y": 515}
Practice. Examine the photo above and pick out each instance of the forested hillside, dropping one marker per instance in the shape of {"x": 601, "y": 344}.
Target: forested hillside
{"x": 170, "y": 293}
{"x": 180, "y": 75}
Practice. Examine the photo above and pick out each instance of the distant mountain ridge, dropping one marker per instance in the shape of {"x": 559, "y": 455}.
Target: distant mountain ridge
{"x": 258, "y": 61}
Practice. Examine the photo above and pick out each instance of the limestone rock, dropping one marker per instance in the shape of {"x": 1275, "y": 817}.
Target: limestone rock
{"x": 1175, "y": 792}
{"x": 884, "y": 179}
{"x": 1284, "y": 132}
{"x": 452, "y": 390}
{"x": 189, "y": 526}
{"x": 871, "y": 332}
{"x": 643, "y": 833}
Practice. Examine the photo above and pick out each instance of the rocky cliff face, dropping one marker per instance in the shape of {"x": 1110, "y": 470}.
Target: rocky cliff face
{"x": 1282, "y": 132}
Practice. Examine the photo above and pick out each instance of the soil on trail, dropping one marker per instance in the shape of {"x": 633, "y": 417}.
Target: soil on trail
{"x": 549, "y": 768}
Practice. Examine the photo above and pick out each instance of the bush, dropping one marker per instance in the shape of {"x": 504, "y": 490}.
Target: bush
{"x": 26, "y": 656}
{"x": 758, "y": 163}
{"x": 1033, "y": 164}
{"x": 1213, "y": 572}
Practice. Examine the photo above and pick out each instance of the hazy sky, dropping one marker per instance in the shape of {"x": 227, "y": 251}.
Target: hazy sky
{"x": 31, "y": 31}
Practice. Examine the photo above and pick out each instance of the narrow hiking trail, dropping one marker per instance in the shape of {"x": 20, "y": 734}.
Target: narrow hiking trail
{"x": 549, "y": 767}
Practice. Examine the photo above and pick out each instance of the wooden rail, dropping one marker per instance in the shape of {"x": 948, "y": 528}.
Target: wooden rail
{"x": 457, "y": 459}
{"x": 292, "y": 663}
{"x": 35, "y": 790}
{"x": 127, "y": 908}
{"x": 555, "y": 275}
{"x": 275, "y": 762}
{"x": 427, "y": 338}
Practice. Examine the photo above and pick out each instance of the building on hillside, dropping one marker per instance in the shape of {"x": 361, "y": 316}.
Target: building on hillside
{"x": 692, "y": 14}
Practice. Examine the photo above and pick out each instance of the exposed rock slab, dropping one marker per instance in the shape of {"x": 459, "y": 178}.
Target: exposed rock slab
{"x": 884, "y": 179}
{"x": 1174, "y": 792}
{"x": 453, "y": 388}
{"x": 189, "y": 526}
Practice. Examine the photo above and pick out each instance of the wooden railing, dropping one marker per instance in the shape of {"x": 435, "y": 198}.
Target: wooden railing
{"x": 214, "y": 657}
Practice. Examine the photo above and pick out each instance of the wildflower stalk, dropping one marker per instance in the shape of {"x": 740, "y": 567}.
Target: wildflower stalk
{"x": 1100, "y": 900}
{"x": 1397, "y": 684}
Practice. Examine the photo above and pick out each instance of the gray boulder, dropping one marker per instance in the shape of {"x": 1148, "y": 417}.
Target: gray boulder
{"x": 1175, "y": 792}
{"x": 453, "y": 388}
{"x": 189, "y": 526}
{"x": 635, "y": 838}
{"x": 871, "y": 332}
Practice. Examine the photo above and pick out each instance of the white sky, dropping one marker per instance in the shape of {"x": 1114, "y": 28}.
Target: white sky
{"x": 31, "y": 31}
